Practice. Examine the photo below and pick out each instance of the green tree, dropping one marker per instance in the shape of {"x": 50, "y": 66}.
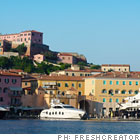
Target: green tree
{"x": 95, "y": 67}
{"x": 50, "y": 55}
{"x": 5, "y": 63}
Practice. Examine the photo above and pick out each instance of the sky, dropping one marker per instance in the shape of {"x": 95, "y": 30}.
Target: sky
{"x": 105, "y": 31}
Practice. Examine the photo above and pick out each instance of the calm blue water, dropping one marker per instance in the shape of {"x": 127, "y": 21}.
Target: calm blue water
{"x": 67, "y": 127}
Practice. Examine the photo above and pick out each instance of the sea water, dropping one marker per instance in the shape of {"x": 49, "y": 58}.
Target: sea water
{"x": 67, "y": 127}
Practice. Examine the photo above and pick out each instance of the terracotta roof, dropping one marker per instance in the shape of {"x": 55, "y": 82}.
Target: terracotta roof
{"x": 31, "y": 31}
{"x": 62, "y": 78}
{"x": 15, "y": 70}
{"x": 22, "y": 32}
{"x": 28, "y": 79}
{"x": 4, "y": 73}
{"x": 128, "y": 75}
{"x": 116, "y": 65}
{"x": 9, "y": 34}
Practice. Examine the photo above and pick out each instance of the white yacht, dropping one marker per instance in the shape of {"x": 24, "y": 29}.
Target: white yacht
{"x": 62, "y": 111}
{"x": 131, "y": 102}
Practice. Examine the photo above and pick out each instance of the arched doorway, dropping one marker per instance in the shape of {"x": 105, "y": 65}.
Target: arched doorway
{"x": 84, "y": 105}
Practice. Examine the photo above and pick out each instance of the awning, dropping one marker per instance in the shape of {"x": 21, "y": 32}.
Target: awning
{"x": 16, "y": 88}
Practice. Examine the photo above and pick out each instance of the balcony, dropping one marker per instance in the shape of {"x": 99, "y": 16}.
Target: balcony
{"x": 50, "y": 87}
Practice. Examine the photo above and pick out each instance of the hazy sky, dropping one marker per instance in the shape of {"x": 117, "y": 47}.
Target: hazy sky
{"x": 105, "y": 31}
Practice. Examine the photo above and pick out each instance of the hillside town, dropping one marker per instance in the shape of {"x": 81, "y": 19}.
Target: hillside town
{"x": 28, "y": 88}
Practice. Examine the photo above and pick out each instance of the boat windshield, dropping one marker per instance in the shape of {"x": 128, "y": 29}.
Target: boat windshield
{"x": 57, "y": 107}
{"x": 68, "y": 106}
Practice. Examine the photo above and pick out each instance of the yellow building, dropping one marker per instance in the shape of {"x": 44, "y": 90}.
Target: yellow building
{"x": 111, "y": 88}
{"x": 65, "y": 88}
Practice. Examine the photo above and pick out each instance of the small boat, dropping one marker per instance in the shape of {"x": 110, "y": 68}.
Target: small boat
{"x": 62, "y": 111}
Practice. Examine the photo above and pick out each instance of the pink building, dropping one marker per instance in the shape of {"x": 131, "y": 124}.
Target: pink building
{"x": 39, "y": 58}
{"x": 66, "y": 58}
{"x": 10, "y": 89}
{"x": 24, "y": 37}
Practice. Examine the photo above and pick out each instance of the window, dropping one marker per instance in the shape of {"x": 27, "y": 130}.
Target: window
{"x": 63, "y": 93}
{"x": 29, "y": 38}
{"x": 137, "y": 83}
{"x": 51, "y": 92}
{"x": 62, "y": 113}
{"x": 130, "y": 82}
{"x": 0, "y": 89}
{"x": 72, "y": 84}
{"x": 25, "y": 39}
{"x": 104, "y": 91}
{"x": 123, "y": 91}
{"x": 52, "y": 113}
{"x": 6, "y": 81}
{"x": 47, "y": 112}
{"x": 130, "y": 91}
{"x": 79, "y": 93}
{"x": 116, "y": 91}
{"x": 67, "y": 74}
{"x": 68, "y": 106}
{"x": 111, "y": 92}
{"x": 66, "y": 85}
{"x": 57, "y": 107}
{"x": 136, "y": 92}
{"x": 110, "y": 100}
{"x": 104, "y": 82}
{"x": 55, "y": 113}
{"x": 92, "y": 82}
{"x": 123, "y": 82}
{"x": 58, "y": 84}
{"x": 5, "y": 90}
{"x": 26, "y": 83}
{"x": 117, "y": 82}
{"x": 104, "y": 100}
{"x": 80, "y": 85}
{"x": 59, "y": 113}
{"x": 111, "y": 82}
{"x": 81, "y": 74}
{"x": 1, "y": 99}
{"x": 117, "y": 100}
{"x": 63, "y": 58}
{"x": 72, "y": 74}
{"x": 14, "y": 81}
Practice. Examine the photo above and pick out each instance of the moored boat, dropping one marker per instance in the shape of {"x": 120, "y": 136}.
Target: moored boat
{"x": 62, "y": 111}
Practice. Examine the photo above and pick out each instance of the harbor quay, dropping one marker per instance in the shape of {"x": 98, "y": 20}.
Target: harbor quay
{"x": 104, "y": 96}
